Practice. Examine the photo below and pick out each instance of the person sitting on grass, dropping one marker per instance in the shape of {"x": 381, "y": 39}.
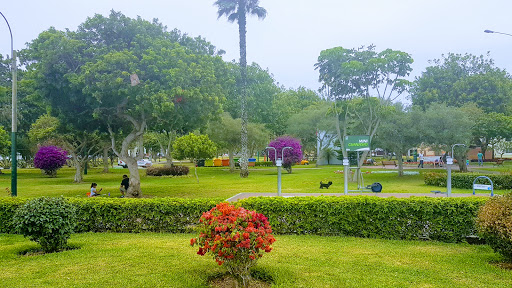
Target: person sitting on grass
{"x": 94, "y": 193}
{"x": 125, "y": 183}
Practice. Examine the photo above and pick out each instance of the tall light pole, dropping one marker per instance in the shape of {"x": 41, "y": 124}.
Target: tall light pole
{"x": 14, "y": 165}
{"x": 490, "y": 31}
{"x": 449, "y": 162}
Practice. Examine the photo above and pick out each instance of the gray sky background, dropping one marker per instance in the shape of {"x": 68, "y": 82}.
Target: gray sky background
{"x": 290, "y": 39}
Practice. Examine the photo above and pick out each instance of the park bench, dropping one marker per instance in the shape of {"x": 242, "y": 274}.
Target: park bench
{"x": 499, "y": 162}
{"x": 384, "y": 163}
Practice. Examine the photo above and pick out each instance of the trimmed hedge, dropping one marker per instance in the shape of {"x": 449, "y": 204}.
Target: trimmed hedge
{"x": 264, "y": 163}
{"x": 441, "y": 219}
{"x": 465, "y": 180}
{"x": 167, "y": 171}
{"x": 124, "y": 215}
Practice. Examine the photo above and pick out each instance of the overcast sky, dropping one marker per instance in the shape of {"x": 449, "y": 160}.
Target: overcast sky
{"x": 290, "y": 39}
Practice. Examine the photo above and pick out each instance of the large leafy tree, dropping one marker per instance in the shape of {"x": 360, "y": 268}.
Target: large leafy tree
{"x": 124, "y": 76}
{"x": 361, "y": 83}
{"x": 398, "y": 133}
{"x": 194, "y": 147}
{"x": 54, "y": 62}
{"x": 237, "y": 10}
{"x": 460, "y": 79}
{"x": 146, "y": 81}
{"x": 441, "y": 126}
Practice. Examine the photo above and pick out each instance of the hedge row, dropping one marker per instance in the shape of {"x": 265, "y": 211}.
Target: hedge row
{"x": 124, "y": 215}
{"x": 465, "y": 180}
{"x": 441, "y": 219}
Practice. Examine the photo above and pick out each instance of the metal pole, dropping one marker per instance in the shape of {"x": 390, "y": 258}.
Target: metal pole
{"x": 449, "y": 178}
{"x": 279, "y": 180}
{"x": 346, "y": 164}
{"x": 14, "y": 160}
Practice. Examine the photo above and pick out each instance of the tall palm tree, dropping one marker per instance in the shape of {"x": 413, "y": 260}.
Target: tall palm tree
{"x": 238, "y": 10}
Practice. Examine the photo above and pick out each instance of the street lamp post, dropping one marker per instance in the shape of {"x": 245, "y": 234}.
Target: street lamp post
{"x": 279, "y": 163}
{"x": 490, "y": 31}
{"x": 14, "y": 165}
{"x": 449, "y": 162}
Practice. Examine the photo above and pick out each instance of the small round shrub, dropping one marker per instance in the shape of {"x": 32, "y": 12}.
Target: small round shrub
{"x": 235, "y": 237}
{"x": 494, "y": 223}
{"x": 50, "y": 159}
{"x": 47, "y": 221}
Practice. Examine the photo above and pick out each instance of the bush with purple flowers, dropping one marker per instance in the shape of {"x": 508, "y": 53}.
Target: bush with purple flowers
{"x": 291, "y": 156}
{"x": 50, "y": 159}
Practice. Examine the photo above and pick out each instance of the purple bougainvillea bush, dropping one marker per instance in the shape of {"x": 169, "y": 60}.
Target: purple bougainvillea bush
{"x": 50, "y": 159}
{"x": 291, "y": 156}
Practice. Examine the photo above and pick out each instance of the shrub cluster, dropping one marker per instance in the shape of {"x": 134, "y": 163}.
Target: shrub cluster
{"x": 167, "y": 171}
{"x": 441, "y": 219}
{"x": 47, "y": 221}
{"x": 264, "y": 163}
{"x": 465, "y": 180}
{"x": 235, "y": 237}
{"x": 50, "y": 159}
{"x": 495, "y": 224}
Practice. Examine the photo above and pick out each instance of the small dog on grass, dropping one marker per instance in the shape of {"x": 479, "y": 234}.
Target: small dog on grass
{"x": 326, "y": 185}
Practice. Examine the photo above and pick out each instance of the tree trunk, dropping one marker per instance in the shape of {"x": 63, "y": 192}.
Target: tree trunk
{"x": 400, "y": 163}
{"x": 231, "y": 161}
{"x": 134, "y": 190}
{"x": 195, "y": 170}
{"x": 105, "y": 158}
{"x": 244, "y": 165}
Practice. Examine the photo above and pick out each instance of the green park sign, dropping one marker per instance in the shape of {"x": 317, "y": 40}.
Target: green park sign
{"x": 357, "y": 143}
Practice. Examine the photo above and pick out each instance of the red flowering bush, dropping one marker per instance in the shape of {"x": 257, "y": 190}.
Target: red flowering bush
{"x": 50, "y": 159}
{"x": 235, "y": 237}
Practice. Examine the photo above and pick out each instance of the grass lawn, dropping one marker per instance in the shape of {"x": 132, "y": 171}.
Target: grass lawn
{"x": 166, "y": 260}
{"x": 214, "y": 182}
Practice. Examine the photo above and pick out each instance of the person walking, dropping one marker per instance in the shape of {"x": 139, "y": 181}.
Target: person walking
{"x": 420, "y": 156}
{"x": 125, "y": 183}
{"x": 480, "y": 156}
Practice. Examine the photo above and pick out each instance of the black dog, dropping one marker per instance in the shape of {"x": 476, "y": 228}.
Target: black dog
{"x": 326, "y": 185}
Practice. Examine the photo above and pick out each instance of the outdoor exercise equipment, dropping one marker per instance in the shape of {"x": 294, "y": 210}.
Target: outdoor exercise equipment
{"x": 483, "y": 187}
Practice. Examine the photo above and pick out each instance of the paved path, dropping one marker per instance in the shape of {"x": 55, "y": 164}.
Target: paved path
{"x": 381, "y": 195}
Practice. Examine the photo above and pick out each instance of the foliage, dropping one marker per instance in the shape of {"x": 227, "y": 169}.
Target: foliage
{"x": 5, "y": 142}
{"x": 458, "y": 79}
{"x": 442, "y": 126}
{"x": 440, "y": 219}
{"x": 398, "y": 134}
{"x": 43, "y": 129}
{"x": 465, "y": 180}
{"x": 50, "y": 159}
{"x": 361, "y": 83}
{"x": 289, "y": 156}
{"x": 495, "y": 224}
{"x": 47, "y": 221}
{"x": 167, "y": 170}
{"x": 194, "y": 147}
{"x": 235, "y": 237}
{"x": 264, "y": 163}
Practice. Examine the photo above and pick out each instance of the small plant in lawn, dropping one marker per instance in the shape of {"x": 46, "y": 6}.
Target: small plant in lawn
{"x": 290, "y": 156}
{"x": 235, "y": 237}
{"x": 495, "y": 224}
{"x": 50, "y": 159}
{"x": 47, "y": 221}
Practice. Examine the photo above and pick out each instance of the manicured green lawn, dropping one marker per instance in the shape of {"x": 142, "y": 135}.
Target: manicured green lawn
{"x": 166, "y": 260}
{"x": 214, "y": 182}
